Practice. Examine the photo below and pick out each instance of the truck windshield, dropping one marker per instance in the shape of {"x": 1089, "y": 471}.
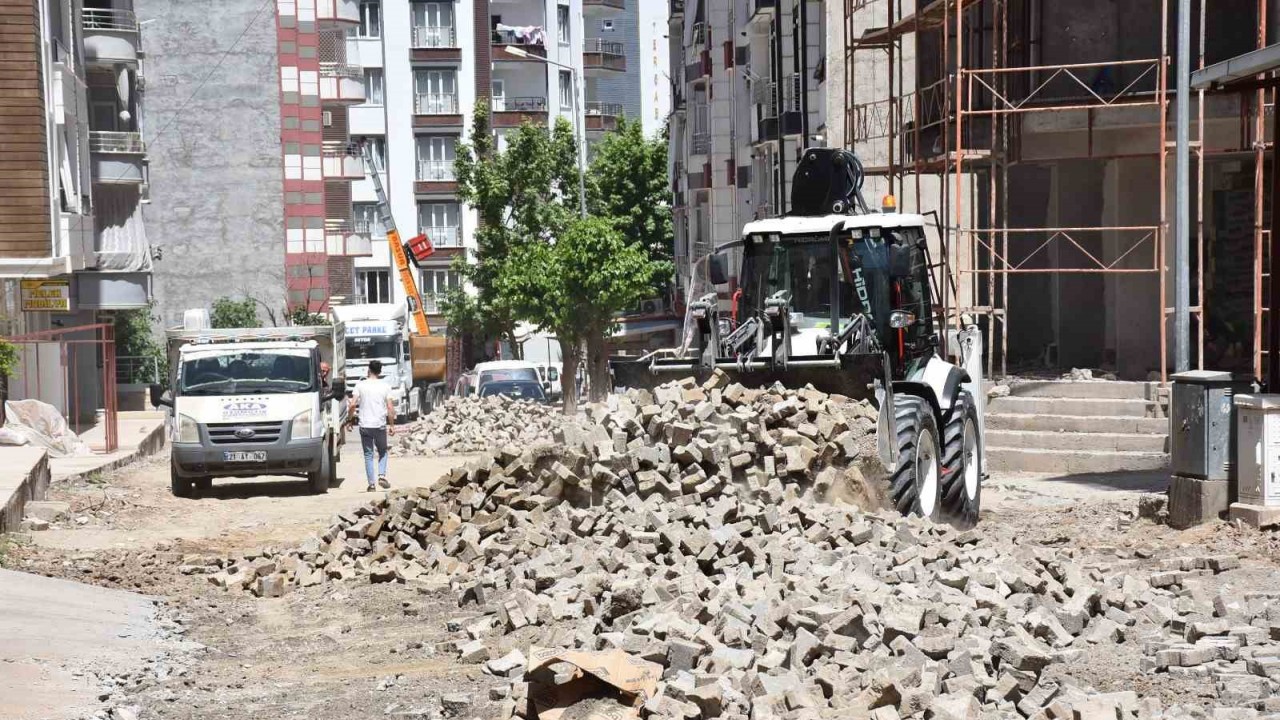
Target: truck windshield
{"x": 370, "y": 349}
{"x": 800, "y": 265}
{"x": 235, "y": 373}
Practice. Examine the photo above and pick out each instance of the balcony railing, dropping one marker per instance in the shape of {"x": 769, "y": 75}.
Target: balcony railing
{"x": 435, "y": 36}
{"x": 521, "y": 104}
{"x": 603, "y": 108}
{"x": 110, "y": 141}
{"x": 441, "y": 236}
{"x": 702, "y": 143}
{"x": 522, "y": 37}
{"x": 339, "y": 70}
{"x": 435, "y": 170}
{"x": 368, "y": 228}
{"x": 436, "y": 104}
{"x": 95, "y": 19}
{"x": 604, "y": 47}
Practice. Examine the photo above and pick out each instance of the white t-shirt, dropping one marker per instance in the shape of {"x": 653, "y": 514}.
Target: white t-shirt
{"x": 371, "y": 399}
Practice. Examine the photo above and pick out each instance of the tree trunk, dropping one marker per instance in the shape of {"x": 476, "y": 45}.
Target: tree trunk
{"x": 569, "y": 377}
{"x": 598, "y": 365}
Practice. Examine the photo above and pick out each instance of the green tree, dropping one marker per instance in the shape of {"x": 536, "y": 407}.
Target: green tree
{"x": 628, "y": 183}
{"x": 573, "y": 285}
{"x": 302, "y": 318}
{"x": 136, "y": 337}
{"x": 524, "y": 195}
{"x": 232, "y": 313}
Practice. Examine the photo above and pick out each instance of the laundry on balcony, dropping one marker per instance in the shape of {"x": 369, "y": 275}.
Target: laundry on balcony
{"x": 519, "y": 34}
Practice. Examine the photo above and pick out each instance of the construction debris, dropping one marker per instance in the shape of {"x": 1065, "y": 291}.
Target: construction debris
{"x": 477, "y": 424}
{"x": 685, "y": 528}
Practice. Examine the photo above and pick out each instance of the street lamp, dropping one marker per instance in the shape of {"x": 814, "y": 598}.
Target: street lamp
{"x": 577, "y": 122}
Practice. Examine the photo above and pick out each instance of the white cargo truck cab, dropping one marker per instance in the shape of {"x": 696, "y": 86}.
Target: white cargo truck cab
{"x": 252, "y": 402}
{"x": 381, "y": 332}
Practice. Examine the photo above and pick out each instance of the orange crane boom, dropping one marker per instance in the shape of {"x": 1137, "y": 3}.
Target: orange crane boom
{"x": 410, "y": 284}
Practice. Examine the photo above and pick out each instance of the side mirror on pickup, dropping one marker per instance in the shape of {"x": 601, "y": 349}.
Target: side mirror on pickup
{"x": 159, "y": 397}
{"x": 337, "y": 389}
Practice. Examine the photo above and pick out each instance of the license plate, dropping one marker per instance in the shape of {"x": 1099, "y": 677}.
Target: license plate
{"x": 255, "y": 456}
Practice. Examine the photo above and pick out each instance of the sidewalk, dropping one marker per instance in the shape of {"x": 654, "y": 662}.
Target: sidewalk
{"x": 26, "y": 472}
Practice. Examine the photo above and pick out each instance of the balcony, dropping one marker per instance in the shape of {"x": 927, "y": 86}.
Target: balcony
{"x": 533, "y": 44}
{"x": 606, "y": 5}
{"x": 602, "y": 116}
{"x": 677, "y": 8}
{"x": 435, "y": 43}
{"x": 436, "y": 110}
{"x": 342, "y": 164}
{"x": 118, "y": 158}
{"x": 343, "y": 238}
{"x": 515, "y": 111}
{"x": 442, "y": 236}
{"x": 435, "y": 170}
{"x": 702, "y": 143}
{"x": 763, "y": 8}
{"x": 331, "y": 14}
{"x": 604, "y": 55}
{"x": 341, "y": 84}
{"x": 110, "y": 37}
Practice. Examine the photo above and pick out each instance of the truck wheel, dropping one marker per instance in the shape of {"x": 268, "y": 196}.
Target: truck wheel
{"x": 962, "y": 464}
{"x": 321, "y": 479}
{"x": 180, "y": 486}
{"x": 203, "y": 485}
{"x": 916, "y": 488}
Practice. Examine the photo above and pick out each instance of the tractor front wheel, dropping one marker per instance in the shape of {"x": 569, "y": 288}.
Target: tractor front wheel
{"x": 916, "y": 488}
{"x": 962, "y": 464}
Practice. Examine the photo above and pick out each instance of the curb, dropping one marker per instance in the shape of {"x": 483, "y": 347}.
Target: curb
{"x": 150, "y": 445}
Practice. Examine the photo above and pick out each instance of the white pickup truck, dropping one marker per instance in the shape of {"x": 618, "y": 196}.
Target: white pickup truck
{"x": 251, "y": 402}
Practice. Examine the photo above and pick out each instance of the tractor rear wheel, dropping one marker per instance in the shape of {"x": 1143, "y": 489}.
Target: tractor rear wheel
{"x": 962, "y": 464}
{"x": 916, "y": 488}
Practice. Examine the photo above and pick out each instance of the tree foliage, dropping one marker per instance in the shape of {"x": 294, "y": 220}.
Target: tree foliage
{"x": 135, "y": 336}
{"x": 232, "y": 313}
{"x": 300, "y": 317}
{"x": 628, "y": 183}
{"x": 575, "y": 284}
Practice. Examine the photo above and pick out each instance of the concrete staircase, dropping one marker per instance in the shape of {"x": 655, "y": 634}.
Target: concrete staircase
{"x": 1077, "y": 428}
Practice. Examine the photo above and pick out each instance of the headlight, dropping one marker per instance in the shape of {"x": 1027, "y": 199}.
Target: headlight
{"x": 302, "y": 429}
{"x": 188, "y": 430}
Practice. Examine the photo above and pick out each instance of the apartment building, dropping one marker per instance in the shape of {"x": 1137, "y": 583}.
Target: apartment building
{"x": 633, "y": 79}
{"x": 73, "y": 176}
{"x": 254, "y": 168}
{"x": 747, "y": 101}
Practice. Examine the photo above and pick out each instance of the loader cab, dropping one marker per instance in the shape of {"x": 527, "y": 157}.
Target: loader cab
{"x": 877, "y": 265}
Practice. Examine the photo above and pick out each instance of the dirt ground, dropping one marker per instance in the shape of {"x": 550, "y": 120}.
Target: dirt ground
{"x": 345, "y": 650}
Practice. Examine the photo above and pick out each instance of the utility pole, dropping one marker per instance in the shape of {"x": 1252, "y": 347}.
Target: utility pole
{"x": 1182, "y": 200}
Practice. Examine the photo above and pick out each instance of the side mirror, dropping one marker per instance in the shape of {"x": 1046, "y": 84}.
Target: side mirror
{"x": 158, "y": 397}
{"x": 718, "y": 268}
{"x": 337, "y": 389}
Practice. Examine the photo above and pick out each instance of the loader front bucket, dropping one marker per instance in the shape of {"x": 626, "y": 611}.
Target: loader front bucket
{"x": 852, "y": 377}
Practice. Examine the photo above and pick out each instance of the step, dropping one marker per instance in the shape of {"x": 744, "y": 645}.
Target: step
{"x": 1099, "y": 389}
{"x": 1076, "y": 423}
{"x": 1072, "y": 462}
{"x": 1104, "y": 407}
{"x": 1050, "y": 440}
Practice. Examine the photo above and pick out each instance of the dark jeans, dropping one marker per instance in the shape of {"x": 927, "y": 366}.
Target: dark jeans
{"x": 371, "y": 439}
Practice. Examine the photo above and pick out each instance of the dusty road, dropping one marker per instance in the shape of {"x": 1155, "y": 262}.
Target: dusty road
{"x": 344, "y": 650}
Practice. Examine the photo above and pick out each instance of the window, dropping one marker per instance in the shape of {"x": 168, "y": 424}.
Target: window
{"x": 439, "y": 221}
{"x": 438, "y": 282}
{"x": 377, "y": 145}
{"x": 373, "y": 286}
{"x": 370, "y": 19}
{"x": 562, "y": 24}
{"x": 437, "y": 92}
{"x": 606, "y": 25}
{"x": 435, "y": 157}
{"x": 499, "y": 96}
{"x": 566, "y": 90}
{"x": 433, "y": 25}
{"x": 365, "y": 216}
{"x": 373, "y": 86}
{"x": 103, "y": 115}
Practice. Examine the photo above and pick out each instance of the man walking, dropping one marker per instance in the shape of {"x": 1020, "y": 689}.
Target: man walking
{"x": 371, "y": 403}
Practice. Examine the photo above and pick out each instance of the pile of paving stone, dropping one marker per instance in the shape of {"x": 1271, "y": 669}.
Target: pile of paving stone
{"x": 476, "y": 424}
{"x": 683, "y": 528}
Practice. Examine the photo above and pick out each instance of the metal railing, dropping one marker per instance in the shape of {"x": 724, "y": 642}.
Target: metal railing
{"x": 793, "y": 93}
{"x": 435, "y": 170}
{"x": 702, "y": 143}
{"x": 436, "y": 104}
{"x": 511, "y": 37}
{"x": 341, "y": 70}
{"x": 96, "y": 19}
{"x": 699, "y": 34}
{"x": 435, "y": 36}
{"x": 604, "y": 47}
{"x": 110, "y": 141}
{"x": 441, "y": 236}
{"x": 603, "y": 108}
{"x": 521, "y": 104}
{"x": 138, "y": 369}
{"x": 368, "y": 228}
{"x": 430, "y": 304}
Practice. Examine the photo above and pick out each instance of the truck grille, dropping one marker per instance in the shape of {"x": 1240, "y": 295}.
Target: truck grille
{"x": 234, "y": 433}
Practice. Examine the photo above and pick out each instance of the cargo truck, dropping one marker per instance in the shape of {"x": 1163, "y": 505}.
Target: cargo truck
{"x": 380, "y": 331}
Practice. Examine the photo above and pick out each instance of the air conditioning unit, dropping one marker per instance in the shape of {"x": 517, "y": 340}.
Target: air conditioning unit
{"x": 650, "y": 307}
{"x": 326, "y": 118}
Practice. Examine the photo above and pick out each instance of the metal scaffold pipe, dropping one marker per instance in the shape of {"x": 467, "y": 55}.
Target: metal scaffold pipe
{"x": 1182, "y": 199}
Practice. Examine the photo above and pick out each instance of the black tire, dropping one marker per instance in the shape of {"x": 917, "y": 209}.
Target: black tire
{"x": 203, "y": 486}
{"x": 180, "y": 486}
{"x": 962, "y": 464}
{"x": 916, "y": 487}
{"x": 321, "y": 479}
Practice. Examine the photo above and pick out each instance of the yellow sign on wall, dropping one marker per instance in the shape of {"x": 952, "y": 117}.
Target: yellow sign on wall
{"x": 46, "y": 295}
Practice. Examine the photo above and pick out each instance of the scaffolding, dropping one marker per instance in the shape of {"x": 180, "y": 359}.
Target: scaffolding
{"x": 977, "y": 86}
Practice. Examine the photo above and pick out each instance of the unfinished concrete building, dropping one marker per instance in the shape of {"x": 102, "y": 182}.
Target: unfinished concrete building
{"x": 1041, "y": 134}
